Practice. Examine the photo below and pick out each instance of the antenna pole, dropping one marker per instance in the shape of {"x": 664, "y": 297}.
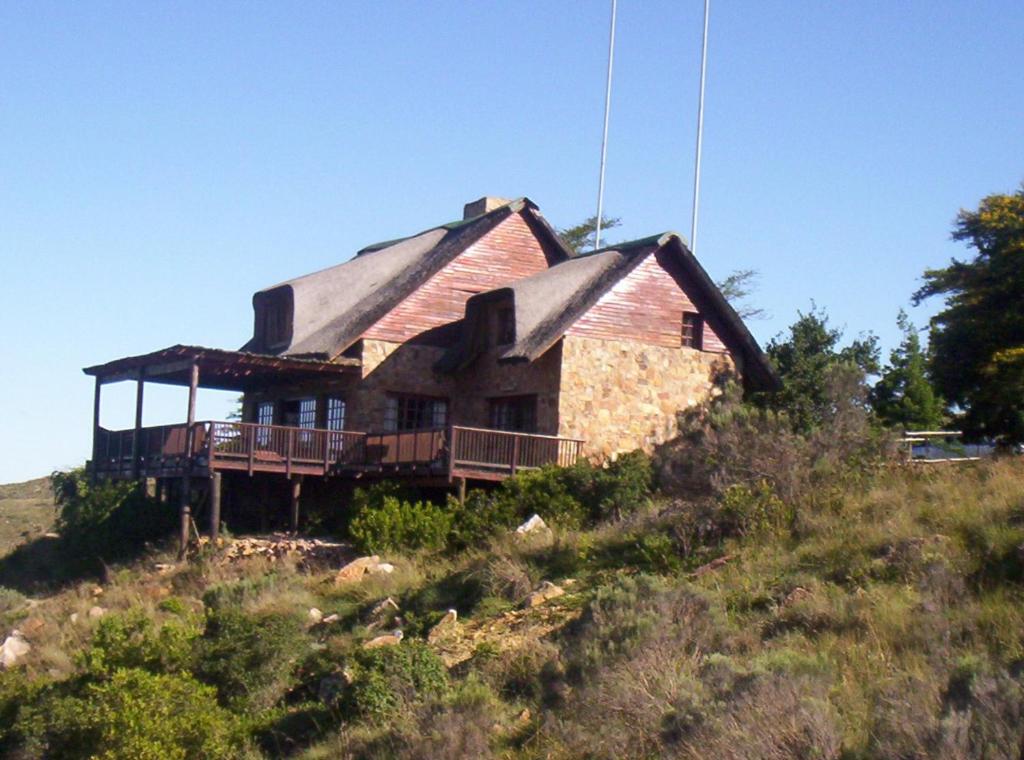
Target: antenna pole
{"x": 700, "y": 131}
{"x": 604, "y": 136}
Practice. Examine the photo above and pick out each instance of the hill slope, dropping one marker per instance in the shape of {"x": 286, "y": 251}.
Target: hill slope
{"x": 26, "y": 510}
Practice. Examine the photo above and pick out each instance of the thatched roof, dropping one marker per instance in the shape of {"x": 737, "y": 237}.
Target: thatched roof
{"x": 547, "y": 304}
{"x": 332, "y": 308}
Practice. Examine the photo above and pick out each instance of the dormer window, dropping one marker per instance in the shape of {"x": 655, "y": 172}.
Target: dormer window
{"x": 275, "y": 322}
{"x": 693, "y": 330}
{"x": 505, "y": 326}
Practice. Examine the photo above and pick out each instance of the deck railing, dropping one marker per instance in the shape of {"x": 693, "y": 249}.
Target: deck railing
{"x": 455, "y": 451}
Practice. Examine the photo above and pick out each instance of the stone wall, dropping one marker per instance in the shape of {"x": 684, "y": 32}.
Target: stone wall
{"x": 621, "y": 395}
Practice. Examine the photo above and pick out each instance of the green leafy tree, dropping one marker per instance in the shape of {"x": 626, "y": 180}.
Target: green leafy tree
{"x": 807, "y": 360}
{"x": 580, "y": 237}
{"x": 904, "y": 396}
{"x": 977, "y": 340}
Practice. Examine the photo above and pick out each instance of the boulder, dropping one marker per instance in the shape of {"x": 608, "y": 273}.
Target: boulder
{"x": 535, "y": 523}
{"x": 387, "y": 640}
{"x": 382, "y": 613}
{"x": 547, "y": 590}
{"x": 381, "y": 567}
{"x": 96, "y": 612}
{"x": 445, "y": 627}
{"x": 315, "y": 616}
{"x": 13, "y": 649}
{"x": 354, "y": 571}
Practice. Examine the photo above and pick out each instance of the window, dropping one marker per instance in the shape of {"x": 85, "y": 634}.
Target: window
{"x": 335, "y": 414}
{"x": 275, "y": 322}
{"x": 415, "y": 413}
{"x": 516, "y": 413}
{"x": 307, "y": 413}
{"x": 505, "y": 325}
{"x": 693, "y": 330}
{"x": 265, "y": 413}
{"x": 264, "y": 416}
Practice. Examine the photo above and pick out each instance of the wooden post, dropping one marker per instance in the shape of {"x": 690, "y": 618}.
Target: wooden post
{"x": 137, "y": 434}
{"x": 462, "y": 492}
{"x": 96, "y": 425}
{"x": 296, "y": 494}
{"x": 186, "y": 480}
{"x": 214, "y": 507}
{"x": 515, "y": 454}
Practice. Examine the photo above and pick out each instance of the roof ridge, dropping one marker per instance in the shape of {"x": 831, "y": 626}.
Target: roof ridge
{"x": 515, "y": 205}
{"x": 660, "y": 238}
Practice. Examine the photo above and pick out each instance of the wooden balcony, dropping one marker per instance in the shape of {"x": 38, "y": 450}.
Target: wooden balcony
{"x": 451, "y": 452}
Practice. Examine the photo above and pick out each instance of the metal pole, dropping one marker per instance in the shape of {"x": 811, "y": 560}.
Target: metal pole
{"x": 604, "y": 136}
{"x": 700, "y": 130}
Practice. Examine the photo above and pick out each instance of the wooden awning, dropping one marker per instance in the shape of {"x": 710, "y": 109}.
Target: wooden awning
{"x": 218, "y": 368}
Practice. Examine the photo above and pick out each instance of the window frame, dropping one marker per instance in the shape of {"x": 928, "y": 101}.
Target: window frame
{"x": 691, "y": 333}
{"x": 409, "y": 411}
{"x": 513, "y": 414}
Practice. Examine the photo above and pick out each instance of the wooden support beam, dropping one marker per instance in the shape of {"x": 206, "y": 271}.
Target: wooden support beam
{"x": 215, "y": 478}
{"x": 137, "y": 433}
{"x": 97, "y": 393}
{"x": 296, "y": 495}
{"x": 185, "y": 515}
{"x": 462, "y": 492}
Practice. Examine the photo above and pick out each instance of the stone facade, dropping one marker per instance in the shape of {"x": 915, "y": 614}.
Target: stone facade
{"x": 622, "y": 395}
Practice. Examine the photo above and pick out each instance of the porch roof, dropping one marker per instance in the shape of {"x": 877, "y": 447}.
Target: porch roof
{"x": 218, "y": 368}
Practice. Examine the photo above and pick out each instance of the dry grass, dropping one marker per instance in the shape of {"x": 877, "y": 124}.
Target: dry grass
{"x": 26, "y": 511}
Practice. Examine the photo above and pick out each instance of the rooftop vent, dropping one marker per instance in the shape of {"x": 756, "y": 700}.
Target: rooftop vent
{"x": 482, "y": 206}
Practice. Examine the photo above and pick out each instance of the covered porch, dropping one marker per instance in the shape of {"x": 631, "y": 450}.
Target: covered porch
{"x": 199, "y": 451}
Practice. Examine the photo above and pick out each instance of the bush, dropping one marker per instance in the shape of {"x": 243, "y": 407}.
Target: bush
{"x": 388, "y": 678}
{"x": 248, "y": 658}
{"x": 396, "y": 525}
{"x": 109, "y": 520}
{"x": 130, "y": 640}
{"x": 134, "y": 715}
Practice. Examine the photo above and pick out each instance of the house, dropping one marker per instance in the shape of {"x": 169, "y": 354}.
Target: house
{"x": 465, "y": 352}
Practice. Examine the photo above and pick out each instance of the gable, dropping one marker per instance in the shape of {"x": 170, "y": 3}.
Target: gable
{"x": 646, "y": 306}
{"x": 510, "y": 251}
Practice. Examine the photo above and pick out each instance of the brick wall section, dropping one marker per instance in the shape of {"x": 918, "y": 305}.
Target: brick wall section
{"x": 621, "y": 395}
{"x": 508, "y": 252}
{"x": 646, "y": 306}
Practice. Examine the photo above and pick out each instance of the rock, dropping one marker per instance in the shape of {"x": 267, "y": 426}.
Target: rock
{"x": 796, "y": 595}
{"x": 383, "y": 612}
{"x": 535, "y": 523}
{"x": 525, "y": 715}
{"x": 96, "y": 612}
{"x": 13, "y": 649}
{"x": 73, "y": 618}
{"x": 547, "y": 590}
{"x": 387, "y": 640}
{"x": 445, "y": 626}
{"x": 381, "y": 567}
{"x": 315, "y": 616}
{"x": 97, "y": 590}
{"x": 31, "y": 626}
{"x": 332, "y": 618}
{"x": 355, "y": 570}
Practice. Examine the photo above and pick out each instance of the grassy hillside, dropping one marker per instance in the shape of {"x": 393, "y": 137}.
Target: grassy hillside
{"x": 882, "y": 619}
{"x": 26, "y": 510}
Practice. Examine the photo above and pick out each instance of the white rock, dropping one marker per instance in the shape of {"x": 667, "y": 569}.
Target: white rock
{"x": 333, "y": 618}
{"x": 74, "y": 618}
{"x": 534, "y": 523}
{"x": 381, "y": 567}
{"x": 96, "y": 612}
{"x": 315, "y": 616}
{"x": 13, "y": 649}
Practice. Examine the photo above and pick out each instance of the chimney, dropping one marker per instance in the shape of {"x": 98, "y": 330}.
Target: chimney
{"x": 482, "y": 206}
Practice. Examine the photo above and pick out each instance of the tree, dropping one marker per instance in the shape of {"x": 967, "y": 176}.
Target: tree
{"x": 580, "y": 238}
{"x": 809, "y": 362}
{"x": 903, "y": 396}
{"x": 737, "y": 287}
{"x": 977, "y": 340}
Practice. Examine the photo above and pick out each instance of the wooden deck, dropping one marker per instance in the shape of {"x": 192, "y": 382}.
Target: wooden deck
{"x": 211, "y": 446}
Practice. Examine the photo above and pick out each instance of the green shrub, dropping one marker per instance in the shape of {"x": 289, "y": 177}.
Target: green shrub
{"x": 752, "y": 509}
{"x": 483, "y": 515}
{"x": 134, "y": 715}
{"x": 109, "y": 520}
{"x": 131, "y": 640}
{"x": 248, "y": 658}
{"x": 388, "y": 678}
{"x": 396, "y": 524}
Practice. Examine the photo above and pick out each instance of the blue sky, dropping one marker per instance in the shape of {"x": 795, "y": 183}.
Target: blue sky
{"x": 159, "y": 162}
